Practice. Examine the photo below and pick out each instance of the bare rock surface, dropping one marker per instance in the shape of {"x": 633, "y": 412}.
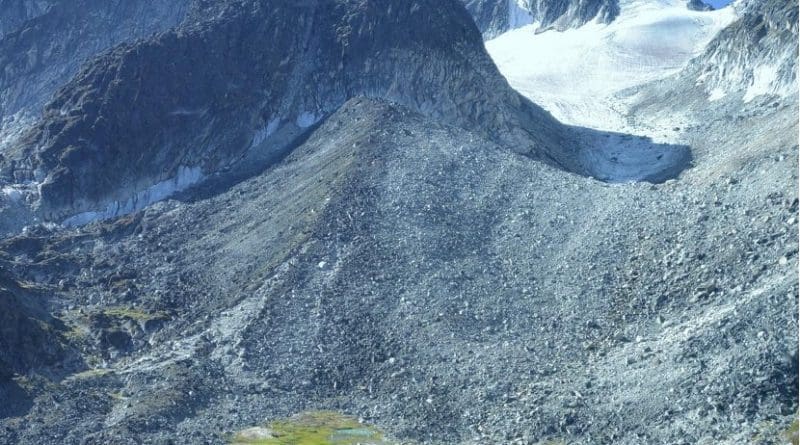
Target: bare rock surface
{"x": 495, "y": 17}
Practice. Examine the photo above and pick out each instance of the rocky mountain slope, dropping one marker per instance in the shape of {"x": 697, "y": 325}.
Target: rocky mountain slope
{"x": 753, "y": 61}
{"x": 362, "y": 216}
{"x": 468, "y": 329}
{"x": 15, "y": 12}
{"x": 43, "y": 43}
{"x": 495, "y": 17}
{"x": 125, "y": 132}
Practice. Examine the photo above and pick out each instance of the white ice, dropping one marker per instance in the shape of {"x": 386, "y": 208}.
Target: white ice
{"x": 765, "y": 79}
{"x": 265, "y": 132}
{"x": 574, "y": 74}
{"x": 307, "y": 119}
{"x": 186, "y": 177}
{"x": 577, "y": 75}
{"x": 13, "y": 193}
{"x": 716, "y": 94}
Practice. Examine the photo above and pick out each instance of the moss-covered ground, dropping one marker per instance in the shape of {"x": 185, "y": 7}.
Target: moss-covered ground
{"x": 312, "y": 428}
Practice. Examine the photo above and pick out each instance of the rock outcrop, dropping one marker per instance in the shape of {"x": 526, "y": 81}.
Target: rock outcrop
{"x": 753, "y": 62}
{"x": 699, "y": 5}
{"x": 28, "y": 337}
{"x": 495, "y": 17}
{"x": 15, "y": 12}
{"x": 756, "y": 55}
{"x": 251, "y": 76}
{"x": 46, "y": 42}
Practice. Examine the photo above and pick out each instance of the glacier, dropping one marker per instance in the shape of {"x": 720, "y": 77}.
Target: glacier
{"x": 578, "y": 74}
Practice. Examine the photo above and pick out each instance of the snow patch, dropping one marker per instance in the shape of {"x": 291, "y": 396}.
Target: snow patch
{"x": 716, "y": 94}
{"x": 12, "y": 128}
{"x": 307, "y": 119}
{"x": 764, "y": 82}
{"x": 14, "y": 194}
{"x": 619, "y": 158}
{"x": 186, "y": 177}
{"x": 185, "y": 112}
{"x": 266, "y": 132}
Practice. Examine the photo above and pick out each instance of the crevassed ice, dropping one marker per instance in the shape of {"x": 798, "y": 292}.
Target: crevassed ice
{"x": 186, "y": 177}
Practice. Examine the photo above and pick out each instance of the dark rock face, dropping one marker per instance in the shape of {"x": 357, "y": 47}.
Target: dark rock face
{"x": 564, "y": 14}
{"x": 699, "y": 5}
{"x": 44, "y": 43}
{"x": 27, "y": 339}
{"x": 202, "y": 95}
{"x": 495, "y": 17}
{"x": 15, "y": 12}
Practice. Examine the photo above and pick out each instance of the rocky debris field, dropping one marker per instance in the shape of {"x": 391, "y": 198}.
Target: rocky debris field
{"x": 396, "y": 247}
{"x": 443, "y": 289}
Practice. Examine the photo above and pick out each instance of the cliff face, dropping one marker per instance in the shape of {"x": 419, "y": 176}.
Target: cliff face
{"x": 28, "y": 338}
{"x": 755, "y": 56}
{"x": 44, "y": 43}
{"x": 253, "y": 74}
{"x": 749, "y": 66}
{"x": 15, "y": 12}
{"x": 495, "y": 17}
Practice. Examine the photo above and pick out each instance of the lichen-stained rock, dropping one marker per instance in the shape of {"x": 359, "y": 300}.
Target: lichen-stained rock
{"x": 312, "y": 428}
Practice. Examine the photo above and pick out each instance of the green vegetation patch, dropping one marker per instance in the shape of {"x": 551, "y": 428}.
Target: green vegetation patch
{"x": 90, "y": 374}
{"x": 793, "y": 433}
{"x": 134, "y": 314}
{"x": 312, "y": 428}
